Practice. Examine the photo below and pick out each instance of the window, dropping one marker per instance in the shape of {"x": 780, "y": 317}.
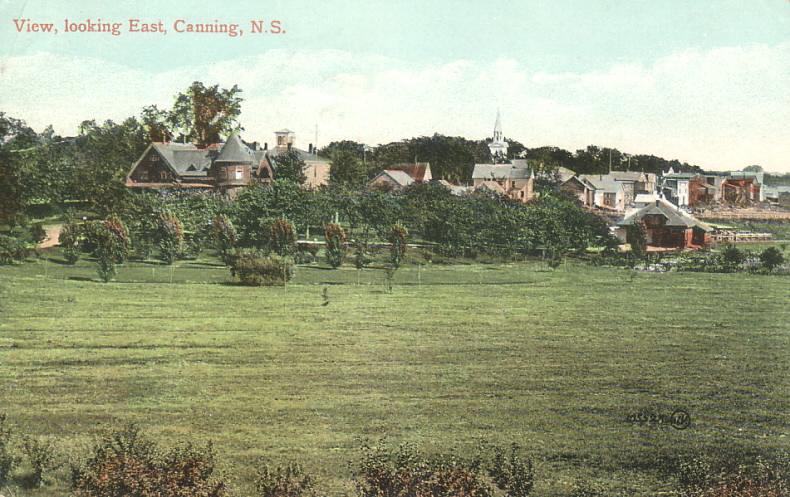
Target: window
{"x": 609, "y": 198}
{"x": 154, "y": 157}
{"x": 239, "y": 173}
{"x": 163, "y": 175}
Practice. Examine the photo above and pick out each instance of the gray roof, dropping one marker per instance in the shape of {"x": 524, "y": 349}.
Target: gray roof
{"x": 516, "y": 170}
{"x": 400, "y": 177}
{"x": 674, "y": 216}
{"x": 234, "y": 151}
{"x": 185, "y": 159}
{"x": 603, "y": 182}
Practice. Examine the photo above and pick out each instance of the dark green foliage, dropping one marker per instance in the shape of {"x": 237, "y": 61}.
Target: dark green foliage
{"x": 281, "y": 199}
{"x": 361, "y": 255}
{"x": 511, "y": 472}
{"x": 771, "y": 258}
{"x": 254, "y": 268}
{"x": 224, "y": 235}
{"x": 12, "y": 250}
{"x": 405, "y": 472}
{"x": 7, "y": 459}
{"x": 40, "y": 453}
{"x": 70, "y": 241}
{"x": 283, "y": 481}
{"x": 170, "y": 234}
{"x": 289, "y": 166}
{"x": 202, "y": 114}
{"x": 731, "y": 256}
{"x": 636, "y": 235}
{"x": 282, "y": 237}
{"x": 37, "y": 233}
{"x": 397, "y": 240}
{"x": 126, "y": 464}
{"x": 335, "y": 247}
{"x": 347, "y": 169}
{"x": 109, "y": 242}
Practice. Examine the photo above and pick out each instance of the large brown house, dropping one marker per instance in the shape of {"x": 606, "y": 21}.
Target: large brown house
{"x": 221, "y": 166}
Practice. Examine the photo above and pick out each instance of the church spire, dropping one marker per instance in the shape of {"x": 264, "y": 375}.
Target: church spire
{"x": 498, "y": 145}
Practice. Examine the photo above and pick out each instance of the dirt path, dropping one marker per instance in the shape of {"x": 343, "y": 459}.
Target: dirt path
{"x": 53, "y": 236}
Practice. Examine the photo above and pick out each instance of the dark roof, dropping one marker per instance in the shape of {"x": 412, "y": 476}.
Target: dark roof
{"x": 674, "y": 216}
{"x": 234, "y": 151}
{"x": 417, "y": 170}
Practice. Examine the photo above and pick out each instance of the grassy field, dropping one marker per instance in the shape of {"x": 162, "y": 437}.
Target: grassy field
{"x": 455, "y": 355}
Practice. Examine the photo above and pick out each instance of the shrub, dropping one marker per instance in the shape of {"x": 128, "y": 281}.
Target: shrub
{"x": 771, "y": 258}
{"x": 253, "y": 268}
{"x": 406, "y": 472}
{"x": 697, "y": 478}
{"x": 40, "y": 453}
{"x": 171, "y": 237}
{"x": 335, "y": 244}
{"x": 636, "y": 235}
{"x": 224, "y": 235}
{"x": 37, "y": 233}
{"x": 109, "y": 242}
{"x": 12, "y": 250}
{"x": 282, "y": 237}
{"x": 732, "y": 257}
{"x": 361, "y": 254}
{"x": 512, "y": 474}
{"x": 303, "y": 257}
{"x": 7, "y": 458}
{"x": 283, "y": 481}
{"x": 397, "y": 240}
{"x": 70, "y": 241}
{"x": 126, "y": 464}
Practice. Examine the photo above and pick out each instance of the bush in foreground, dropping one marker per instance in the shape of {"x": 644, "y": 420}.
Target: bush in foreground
{"x": 126, "y": 464}
{"x": 12, "y": 250}
{"x": 335, "y": 238}
{"x": 253, "y": 268}
{"x": 7, "y": 459}
{"x": 283, "y": 481}
{"x": 70, "y": 242}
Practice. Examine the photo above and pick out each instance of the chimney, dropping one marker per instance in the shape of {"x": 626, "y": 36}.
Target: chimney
{"x": 310, "y": 148}
{"x": 266, "y": 145}
{"x": 656, "y": 202}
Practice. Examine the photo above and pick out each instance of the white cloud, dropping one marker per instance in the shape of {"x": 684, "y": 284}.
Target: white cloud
{"x": 721, "y": 108}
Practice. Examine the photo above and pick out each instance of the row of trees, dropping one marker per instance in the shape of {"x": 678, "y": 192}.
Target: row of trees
{"x": 43, "y": 168}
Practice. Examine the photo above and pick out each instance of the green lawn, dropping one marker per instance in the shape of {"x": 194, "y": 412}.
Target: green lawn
{"x": 556, "y": 360}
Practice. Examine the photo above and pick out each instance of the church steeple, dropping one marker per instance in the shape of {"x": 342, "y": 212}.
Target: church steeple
{"x": 498, "y": 145}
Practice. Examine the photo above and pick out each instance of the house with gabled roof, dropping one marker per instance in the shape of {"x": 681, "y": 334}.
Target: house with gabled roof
{"x": 514, "y": 179}
{"x": 667, "y": 227}
{"x": 221, "y": 166}
{"x": 609, "y": 193}
{"x": 399, "y": 176}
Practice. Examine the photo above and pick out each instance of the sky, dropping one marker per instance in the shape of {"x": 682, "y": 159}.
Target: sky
{"x": 706, "y": 82}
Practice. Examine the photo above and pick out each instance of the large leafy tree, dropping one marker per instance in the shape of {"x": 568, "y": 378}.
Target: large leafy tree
{"x": 347, "y": 169}
{"x": 18, "y": 145}
{"x": 102, "y": 158}
{"x": 155, "y": 121}
{"x": 203, "y": 113}
{"x": 289, "y": 166}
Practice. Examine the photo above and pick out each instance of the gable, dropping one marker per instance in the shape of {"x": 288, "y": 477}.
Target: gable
{"x": 151, "y": 168}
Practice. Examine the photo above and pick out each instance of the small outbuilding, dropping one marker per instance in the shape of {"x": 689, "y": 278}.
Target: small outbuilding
{"x": 667, "y": 227}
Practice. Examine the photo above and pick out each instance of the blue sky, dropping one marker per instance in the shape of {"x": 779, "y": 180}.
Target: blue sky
{"x": 703, "y": 81}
